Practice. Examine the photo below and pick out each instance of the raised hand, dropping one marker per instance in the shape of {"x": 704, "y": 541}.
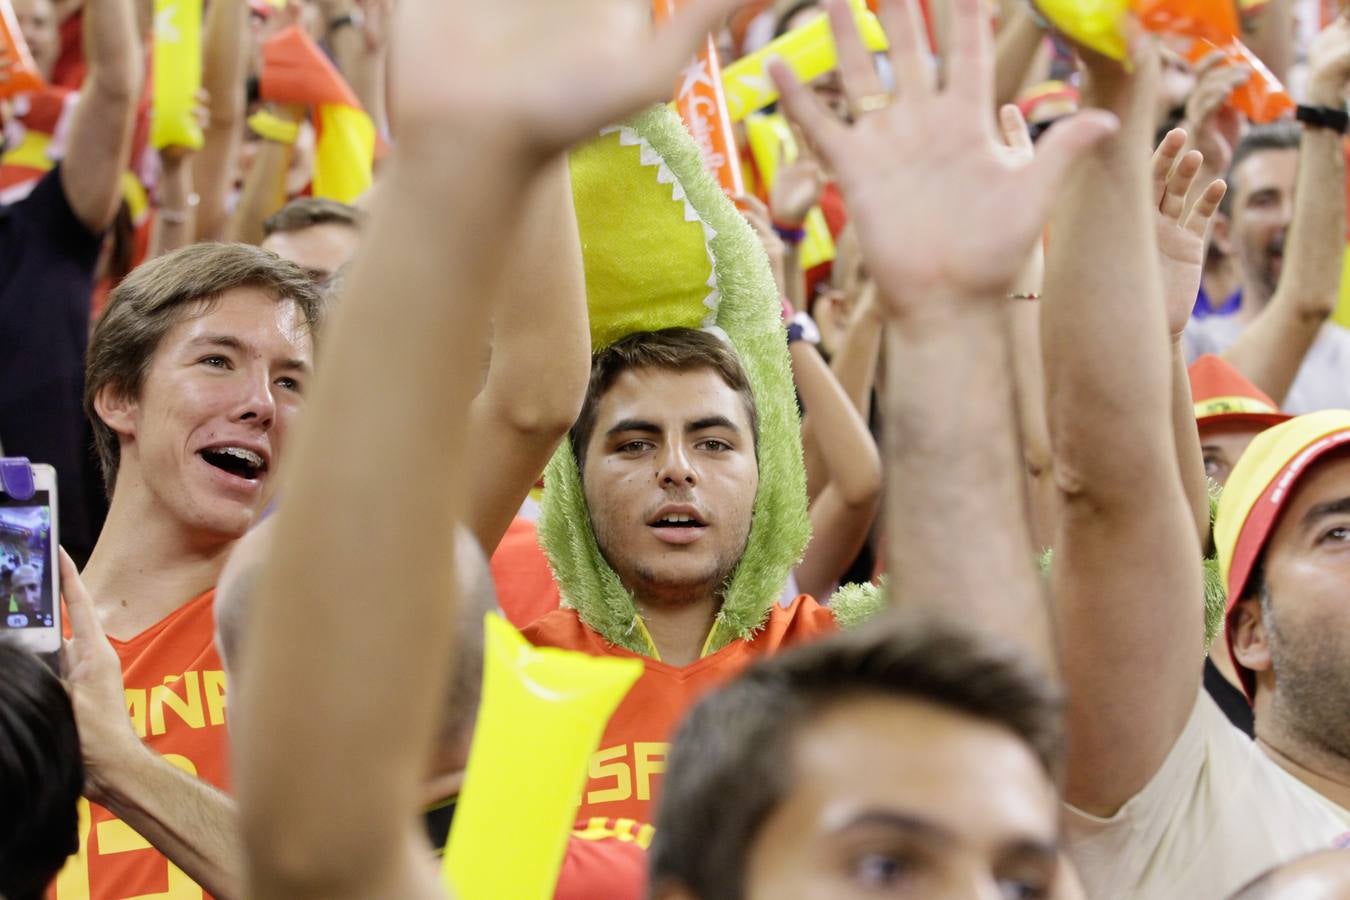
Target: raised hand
{"x": 797, "y": 187}
{"x": 1209, "y": 119}
{"x": 1181, "y": 229}
{"x": 942, "y": 208}
{"x": 1329, "y": 64}
{"x": 541, "y": 74}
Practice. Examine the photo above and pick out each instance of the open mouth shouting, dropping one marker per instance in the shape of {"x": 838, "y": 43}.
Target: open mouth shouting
{"x": 678, "y": 524}
{"x": 243, "y": 466}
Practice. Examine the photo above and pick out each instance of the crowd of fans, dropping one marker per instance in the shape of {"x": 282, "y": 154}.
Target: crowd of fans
{"x": 1000, "y": 550}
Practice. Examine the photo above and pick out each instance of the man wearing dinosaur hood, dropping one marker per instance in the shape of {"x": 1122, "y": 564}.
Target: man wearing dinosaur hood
{"x": 674, "y": 514}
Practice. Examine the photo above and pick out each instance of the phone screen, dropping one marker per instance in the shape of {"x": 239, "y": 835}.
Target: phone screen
{"x": 26, "y": 562}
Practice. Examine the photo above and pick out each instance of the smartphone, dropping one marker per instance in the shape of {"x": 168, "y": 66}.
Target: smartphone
{"x": 30, "y": 589}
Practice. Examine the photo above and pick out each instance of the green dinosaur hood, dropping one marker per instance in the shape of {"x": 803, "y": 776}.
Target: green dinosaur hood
{"x": 664, "y": 247}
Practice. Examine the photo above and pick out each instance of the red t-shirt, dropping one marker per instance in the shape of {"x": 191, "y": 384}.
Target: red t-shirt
{"x": 607, "y": 860}
{"x": 625, "y": 771}
{"x": 175, "y": 689}
{"x": 525, "y": 586}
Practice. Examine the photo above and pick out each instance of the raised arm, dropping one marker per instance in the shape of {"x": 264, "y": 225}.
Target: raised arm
{"x": 99, "y": 143}
{"x": 478, "y": 128}
{"x": 225, "y": 43}
{"x": 946, "y": 220}
{"x": 264, "y": 190}
{"x": 186, "y": 819}
{"x": 541, "y": 358}
{"x": 357, "y": 37}
{"x": 1271, "y": 349}
{"x": 842, "y": 514}
{"x": 1126, "y": 575}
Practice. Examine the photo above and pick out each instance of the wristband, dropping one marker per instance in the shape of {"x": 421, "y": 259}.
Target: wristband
{"x": 1024, "y": 295}
{"x": 802, "y": 327}
{"x": 1328, "y": 117}
{"x": 791, "y": 234}
{"x": 273, "y": 128}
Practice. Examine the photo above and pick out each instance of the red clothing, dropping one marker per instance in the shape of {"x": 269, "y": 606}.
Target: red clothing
{"x": 525, "y": 586}
{"x": 175, "y": 689}
{"x": 607, "y": 860}
{"x": 624, "y": 772}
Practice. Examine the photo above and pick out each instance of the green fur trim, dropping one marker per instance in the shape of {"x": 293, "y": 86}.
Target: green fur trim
{"x": 748, "y": 311}
{"x": 854, "y": 604}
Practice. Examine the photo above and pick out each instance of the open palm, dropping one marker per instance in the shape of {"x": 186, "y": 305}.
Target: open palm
{"x": 1181, "y": 230}
{"x": 942, "y": 208}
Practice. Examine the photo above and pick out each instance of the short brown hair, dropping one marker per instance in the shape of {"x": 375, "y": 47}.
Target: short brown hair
{"x": 154, "y": 298}
{"x": 726, "y": 770}
{"x": 672, "y": 349}
{"x": 306, "y": 212}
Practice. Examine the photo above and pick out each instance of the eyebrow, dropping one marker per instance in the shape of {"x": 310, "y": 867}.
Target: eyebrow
{"x": 1322, "y": 510}
{"x": 929, "y": 830}
{"x": 230, "y": 342}
{"x": 643, "y": 426}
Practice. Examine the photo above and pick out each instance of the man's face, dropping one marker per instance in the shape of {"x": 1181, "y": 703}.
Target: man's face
{"x": 900, "y": 798}
{"x": 27, "y": 589}
{"x": 205, "y": 437}
{"x": 319, "y": 249}
{"x": 37, "y": 21}
{"x": 1262, "y": 209}
{"x": 1307, "y": 572}
{"x": 670, "y": 480}
{"x": 1222, "y": 444}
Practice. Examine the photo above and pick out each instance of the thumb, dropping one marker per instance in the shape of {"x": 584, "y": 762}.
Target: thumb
{"x": 80, "y": 609}
{"x": 1063, "y": 144}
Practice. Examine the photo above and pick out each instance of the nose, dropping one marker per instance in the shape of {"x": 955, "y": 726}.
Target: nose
{"x": 257, "y": 405}
{"x": 674, "y": 467}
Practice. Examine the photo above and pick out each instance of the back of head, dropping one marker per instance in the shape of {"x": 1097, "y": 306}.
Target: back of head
{"x": 1282, "y": 135}
{"x": 727, "y": 771}
{"x": 238, "y": 585}
{"x": 306, "y": 212}
{"x": 41, "y": 774}
{"x": 159, "y": 294}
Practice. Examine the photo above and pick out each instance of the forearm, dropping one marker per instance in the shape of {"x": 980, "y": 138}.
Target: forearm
{"x": 951, "y": 411}
{"x": 441, "y": 190}
{"x": 846, "y": 446}
{"x": 1271, "y": 350}
{"x": 1190, "y": 458}
{"x": 1014, "y": 50}
{"x": 186, "y": 819}
{"x": 541, "y": 357}
{"x": 175, "y": 219}
{"x": 855, "y": 362}
{"x": 263, "y": 194}
{"x": 1271, "y": 37}
{"x": 224, "y": 64}
{"x": 100, "y": 132}
{"x": 362, "y": 67}
{"x": 794, "y": 279}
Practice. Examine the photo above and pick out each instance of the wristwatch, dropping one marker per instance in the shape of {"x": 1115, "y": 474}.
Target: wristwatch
{"x": 1328, "y": 117}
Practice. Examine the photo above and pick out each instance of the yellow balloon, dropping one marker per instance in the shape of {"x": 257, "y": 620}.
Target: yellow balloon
{"x": 809, "y": 51}
{"x": 541, "y": 718}
{"x": 177, "y": 51}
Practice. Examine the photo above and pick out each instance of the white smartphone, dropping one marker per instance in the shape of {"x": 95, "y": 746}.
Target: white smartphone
{"x": 30, "y": 588}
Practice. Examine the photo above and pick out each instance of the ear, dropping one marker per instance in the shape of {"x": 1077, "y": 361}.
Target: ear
{"x": 1220, "y": 234}
{"x": 1250, "y": 645}
{"x": 116, "y": 410}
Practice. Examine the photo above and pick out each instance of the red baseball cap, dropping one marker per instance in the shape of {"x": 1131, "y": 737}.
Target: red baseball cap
{"x": 1223, "y": 394}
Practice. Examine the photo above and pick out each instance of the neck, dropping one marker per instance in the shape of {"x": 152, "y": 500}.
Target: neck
{"x": 1319, "y": 768}
{"x": 1254, "y": 299}
{"x": 146, "y": 565}
{"x": 680, "y": 630}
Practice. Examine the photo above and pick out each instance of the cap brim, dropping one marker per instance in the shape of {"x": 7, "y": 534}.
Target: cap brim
{"x": 1264, "y": 420}
{"x": 1260, "y": 522}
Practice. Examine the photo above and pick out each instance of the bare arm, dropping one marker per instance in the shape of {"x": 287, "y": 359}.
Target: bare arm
{"x": 265, "y": 185}
{"x": 439, "y": 242}
{"x": 842, "y": 514}
{"x": 1019, "y": 38}
{"x": 186, "y": 819}
{"x": 1110, "y": 407}
{"x": 945, "y": 226}
{"x": 175, "y": 217}
{"x": 1270, "y": 35}
{"x": 360, "y": 51}
{"x": 541, "y": 359}
{"x": 100, "y": 129}
{"x": 1271, "y": 349}
{"x": 225, "y": 44}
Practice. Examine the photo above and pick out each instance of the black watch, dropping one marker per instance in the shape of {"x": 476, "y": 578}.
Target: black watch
{"x": 1328, "y": 117}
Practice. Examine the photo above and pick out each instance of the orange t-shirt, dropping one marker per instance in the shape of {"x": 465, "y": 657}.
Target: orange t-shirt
{"x": 525, "y": 586}
{"x": 624, "y": 772}
{"x": 175, "y": 689}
